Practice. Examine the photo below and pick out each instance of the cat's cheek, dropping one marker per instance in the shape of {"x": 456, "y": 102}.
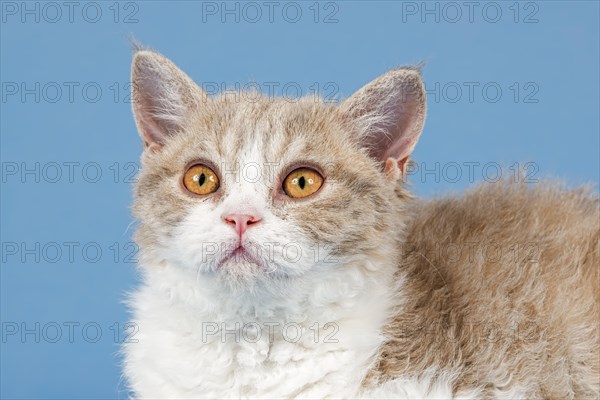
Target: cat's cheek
{"x": 290, "y": 251}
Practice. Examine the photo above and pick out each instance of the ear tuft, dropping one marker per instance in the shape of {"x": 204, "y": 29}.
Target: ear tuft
{"x": 135, "y": 44}
{"x": 163, "y": 96}
{"x": 390, "y": 113}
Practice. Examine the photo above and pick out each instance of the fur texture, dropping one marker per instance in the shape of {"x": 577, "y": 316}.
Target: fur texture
{"x": 504, "y": 290}
{"x": 350, "y": 292}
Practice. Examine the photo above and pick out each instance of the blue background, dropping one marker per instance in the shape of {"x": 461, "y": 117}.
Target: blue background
{"x": 549, "y": 49}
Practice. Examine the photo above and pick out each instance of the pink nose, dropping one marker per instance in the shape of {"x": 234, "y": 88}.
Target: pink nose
{"x": 241, "y": 222}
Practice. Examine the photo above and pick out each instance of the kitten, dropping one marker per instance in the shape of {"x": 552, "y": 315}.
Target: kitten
{"x": 282, "y": 257}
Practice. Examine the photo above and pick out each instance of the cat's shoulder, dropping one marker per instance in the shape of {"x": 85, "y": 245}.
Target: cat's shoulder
{"x": 496, "y": 232}
{"x": 506, "y": 210}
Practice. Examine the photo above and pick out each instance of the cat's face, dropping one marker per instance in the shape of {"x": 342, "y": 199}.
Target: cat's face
{"x": 251, "y": 189}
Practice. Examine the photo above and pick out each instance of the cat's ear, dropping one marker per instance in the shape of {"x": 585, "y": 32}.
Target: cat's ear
{"x": 390, "y": 113}
{"x": 163, "y": 97}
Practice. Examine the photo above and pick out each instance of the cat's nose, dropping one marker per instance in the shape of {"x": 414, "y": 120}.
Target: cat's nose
{"x": 241, "y": 222}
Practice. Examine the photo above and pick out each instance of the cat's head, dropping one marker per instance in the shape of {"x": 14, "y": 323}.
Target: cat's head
{"x": 253, "y": 189}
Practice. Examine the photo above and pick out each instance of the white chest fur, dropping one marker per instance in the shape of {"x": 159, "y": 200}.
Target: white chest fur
{"x": 317, "y": 341}
{"x": 194, "y": 341}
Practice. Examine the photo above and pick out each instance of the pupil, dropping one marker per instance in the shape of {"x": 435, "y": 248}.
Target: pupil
{"x": 202, "y": 180}
{"x": 302, "y": 182}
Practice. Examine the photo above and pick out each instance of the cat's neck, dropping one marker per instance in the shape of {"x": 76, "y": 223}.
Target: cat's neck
{"x": 340, "y": 291}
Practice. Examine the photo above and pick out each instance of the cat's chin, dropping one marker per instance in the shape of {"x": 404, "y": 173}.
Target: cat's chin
{"x": 240, "y": 262}
{"x": 243, "y": 275}
{"x": 240, "y": 265}
{"x": 243, "y": 270}
{"x": 240, "y": 259}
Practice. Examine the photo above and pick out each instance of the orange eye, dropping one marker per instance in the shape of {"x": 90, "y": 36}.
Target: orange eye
{"x": 302, "y": 182}
{"x": 199, "y": 179}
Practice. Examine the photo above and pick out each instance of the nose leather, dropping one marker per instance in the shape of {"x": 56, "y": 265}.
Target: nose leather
{"x": 241, "y": 222}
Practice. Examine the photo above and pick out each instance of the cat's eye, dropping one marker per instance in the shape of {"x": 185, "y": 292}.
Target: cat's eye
{"x": 200, "y": 179}
{"x": 302, "y": 182}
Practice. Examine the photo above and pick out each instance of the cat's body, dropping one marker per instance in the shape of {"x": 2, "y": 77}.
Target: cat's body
{"x": 504, "y": 291}
{"x": 353, "y": 291}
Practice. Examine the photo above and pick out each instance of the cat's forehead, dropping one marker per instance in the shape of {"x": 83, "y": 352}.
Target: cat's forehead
{"x": 266, "y": 129}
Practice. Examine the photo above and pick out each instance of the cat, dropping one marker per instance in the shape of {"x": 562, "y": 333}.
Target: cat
{"x": 282, "y": 256}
